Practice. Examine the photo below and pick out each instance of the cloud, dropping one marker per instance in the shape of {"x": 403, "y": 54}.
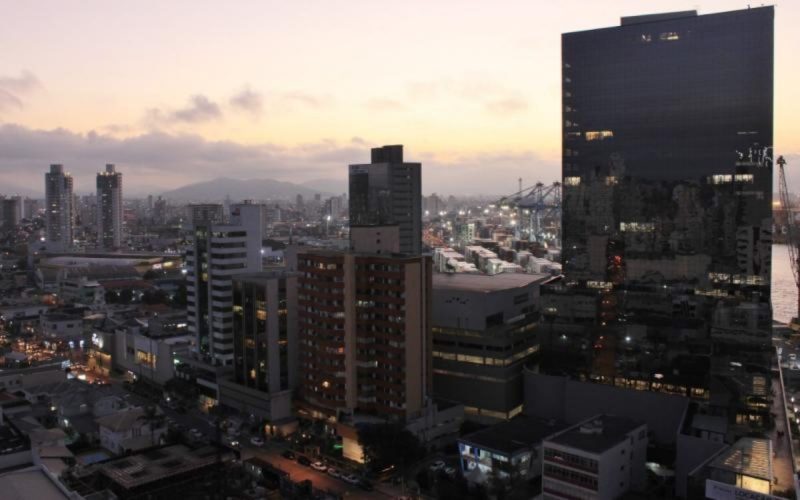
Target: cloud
{"x": 306, "y": 99}
{"x": 248, "y": 101}
{"x": 383, "y": 104}
{"x": 199, "y": 109}
{"x": 13, "y": 88}
{"x": 506, "y": 106}
{"x": 168, "y": 161}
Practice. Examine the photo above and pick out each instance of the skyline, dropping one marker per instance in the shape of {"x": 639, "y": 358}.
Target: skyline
{"x": 271, "y": 91}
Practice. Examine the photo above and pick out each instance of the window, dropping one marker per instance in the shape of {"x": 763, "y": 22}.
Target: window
{"x": 669, "y": 36}
{"x": 647, "y": 38}
{"x": 598, "y": 135}
{"x": 572, "y": 181}
{"x": 744, "y": 178}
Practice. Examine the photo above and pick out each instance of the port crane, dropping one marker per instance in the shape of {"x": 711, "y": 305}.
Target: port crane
{"x": 792, "y": 234}
{"x": 536, "y": 205}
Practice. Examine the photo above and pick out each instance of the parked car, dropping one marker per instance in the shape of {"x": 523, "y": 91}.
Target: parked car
{"x": 303, "y": 460}
{"x": 436, "y": 466}
{"x": 319, "y": 466}
{"x": 333, "y": 472}
{"x": 256, "y": 441}
{"x": 450, "y": 471}
{"x": 288, "y": 455}
{"x": 351, "y": 478}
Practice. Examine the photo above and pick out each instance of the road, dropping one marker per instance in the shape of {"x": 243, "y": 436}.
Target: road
{"x": 320, "y": 480}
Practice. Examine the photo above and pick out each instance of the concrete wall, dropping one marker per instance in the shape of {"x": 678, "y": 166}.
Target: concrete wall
{"x": 549, "y": 397}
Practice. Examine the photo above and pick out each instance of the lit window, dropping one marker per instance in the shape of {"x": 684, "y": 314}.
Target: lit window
{"x": 637, "y": 227}
{"x": 744, "y": 178}
{"x": 647, "y": 37}
{"x": 611, "y": 180}
{"x": 720, "y": 179}
{"x": 669, "y": 36}
{"x": 572, "y": 181}
{"x": 599, "y": 135}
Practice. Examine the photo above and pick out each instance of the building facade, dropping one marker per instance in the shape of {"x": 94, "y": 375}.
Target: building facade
{"x": 264, "y": 345}
{"x": 601, "y": 458}
{"x": 109, "y": 208}
{"x": 364, "y": 334}
{"x": 485, "y": 330}
{"x": 59, "y": 211}
{"x": 216, "y": 253}
{"x": 667, "y": 197}
{"x": 388, "y": 191}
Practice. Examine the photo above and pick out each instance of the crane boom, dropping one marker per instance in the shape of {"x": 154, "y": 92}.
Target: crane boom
{"x": 792, "y": 236}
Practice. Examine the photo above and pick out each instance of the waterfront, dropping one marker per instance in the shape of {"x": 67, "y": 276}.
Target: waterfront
{"x": 784, "y": 291}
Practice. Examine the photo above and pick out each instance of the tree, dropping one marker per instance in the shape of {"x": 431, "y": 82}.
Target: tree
{"x": 387, "y": 445}
{"x": 179, "y": 299}
{"x": 154, "y": 418}
{"x": 156, "y": 296}
{"x": 126, "y": 296}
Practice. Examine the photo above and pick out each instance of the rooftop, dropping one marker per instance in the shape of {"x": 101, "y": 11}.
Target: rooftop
{"x": 485, "y": 283}
{"x": 748, "y": 456}
{"x": 159, "y": 463}
{"x": 29, "y": 483}
{"x": 597, "y": 434}
{"x": 515, "y": 434}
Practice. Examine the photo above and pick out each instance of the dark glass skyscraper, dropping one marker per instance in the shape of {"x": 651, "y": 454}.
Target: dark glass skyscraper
{"x": 667, "y": 186}
{"x": 388, "y": 192}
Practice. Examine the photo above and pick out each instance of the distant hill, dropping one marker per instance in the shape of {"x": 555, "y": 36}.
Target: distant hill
{"x": 335, "y": 186}
{"x": 241, "y": 189}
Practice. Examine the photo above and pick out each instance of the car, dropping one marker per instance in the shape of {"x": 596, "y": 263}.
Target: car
{"x": 436, "y": 466}
{"x": 319, "y": 466}
{"x": 288, "y": 455}
{"x": 792, "y": 356}
{"x": 450, "y": 471}
{"x": 351, "y": 478}
{"x": 333, "y": 472}
{"x": 303, "y": 460}
{"x": 256, "y": 441}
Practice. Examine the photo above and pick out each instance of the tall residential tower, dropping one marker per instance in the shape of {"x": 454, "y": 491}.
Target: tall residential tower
{"x": 109, "y": 208}
{"x": 59, "y": 213}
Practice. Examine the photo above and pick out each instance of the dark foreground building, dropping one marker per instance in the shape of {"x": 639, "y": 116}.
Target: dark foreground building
{"x": 667, "y": 174}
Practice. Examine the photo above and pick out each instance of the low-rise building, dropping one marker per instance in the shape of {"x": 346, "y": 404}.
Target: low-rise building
{"x": 130, "y": 430}
{"x": 509, "y": 450}
{"x": 600, "y": 458}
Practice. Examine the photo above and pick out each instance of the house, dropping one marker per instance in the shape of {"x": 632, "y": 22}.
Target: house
{"x": 129, "y": 430}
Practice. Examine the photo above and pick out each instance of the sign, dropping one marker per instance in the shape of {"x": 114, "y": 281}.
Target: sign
{"x": 721, "y": 491}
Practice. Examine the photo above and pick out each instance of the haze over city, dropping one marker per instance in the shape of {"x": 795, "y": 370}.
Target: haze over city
{"x": 189, "y": 91}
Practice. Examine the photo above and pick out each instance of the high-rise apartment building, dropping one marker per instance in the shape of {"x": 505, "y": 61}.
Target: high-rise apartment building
{"x": 264, "y": 345}
{"x": 364, "y": 334}
{"x": 388, "y": 192}
{"x": 109, "y": 208}
{"x": 217, "y": 252}
{"x": 59, "y": 210}
{"x": 11, "y": 212}
{"x": 205, "y": 213}
{"x": 667, "y": 189}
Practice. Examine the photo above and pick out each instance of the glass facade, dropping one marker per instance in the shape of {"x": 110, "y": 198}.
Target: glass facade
{"x": 667, "y": 198}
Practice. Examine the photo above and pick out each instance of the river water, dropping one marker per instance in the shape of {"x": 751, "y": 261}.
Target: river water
{"x": 784, "y": 291}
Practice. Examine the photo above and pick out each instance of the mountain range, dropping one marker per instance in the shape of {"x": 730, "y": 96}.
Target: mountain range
{"x": 254, "y": 189}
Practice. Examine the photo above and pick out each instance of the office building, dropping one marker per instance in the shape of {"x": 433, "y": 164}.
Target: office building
{"x": 216, "y": 252}
{"x": 59, "y": 211}
{"x": 485, "y": 330}
{"x": 667, "y": 189}
{"x": 264, "y": 345}
{"x": 109, "y": 208}
{"x": 388, "y": 192}
{"x": 364, "y": 334}
{"x": 601, "y": 458}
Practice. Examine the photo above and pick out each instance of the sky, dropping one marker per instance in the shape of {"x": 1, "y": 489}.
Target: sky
{"x": 184, "y": 91}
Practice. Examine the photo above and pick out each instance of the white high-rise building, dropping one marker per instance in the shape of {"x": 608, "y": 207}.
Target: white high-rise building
{"x": 109, "y": 208}
{"x": 217, "y": 252}
{"x": 59, "y": 213}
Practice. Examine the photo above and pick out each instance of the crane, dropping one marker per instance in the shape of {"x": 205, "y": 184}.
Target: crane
{"x": 536, "y": 205}
{"x": 792, "y": 236}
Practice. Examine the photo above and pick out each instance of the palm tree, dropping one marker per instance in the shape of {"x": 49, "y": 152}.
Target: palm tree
{"x": 154, "y": 418}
